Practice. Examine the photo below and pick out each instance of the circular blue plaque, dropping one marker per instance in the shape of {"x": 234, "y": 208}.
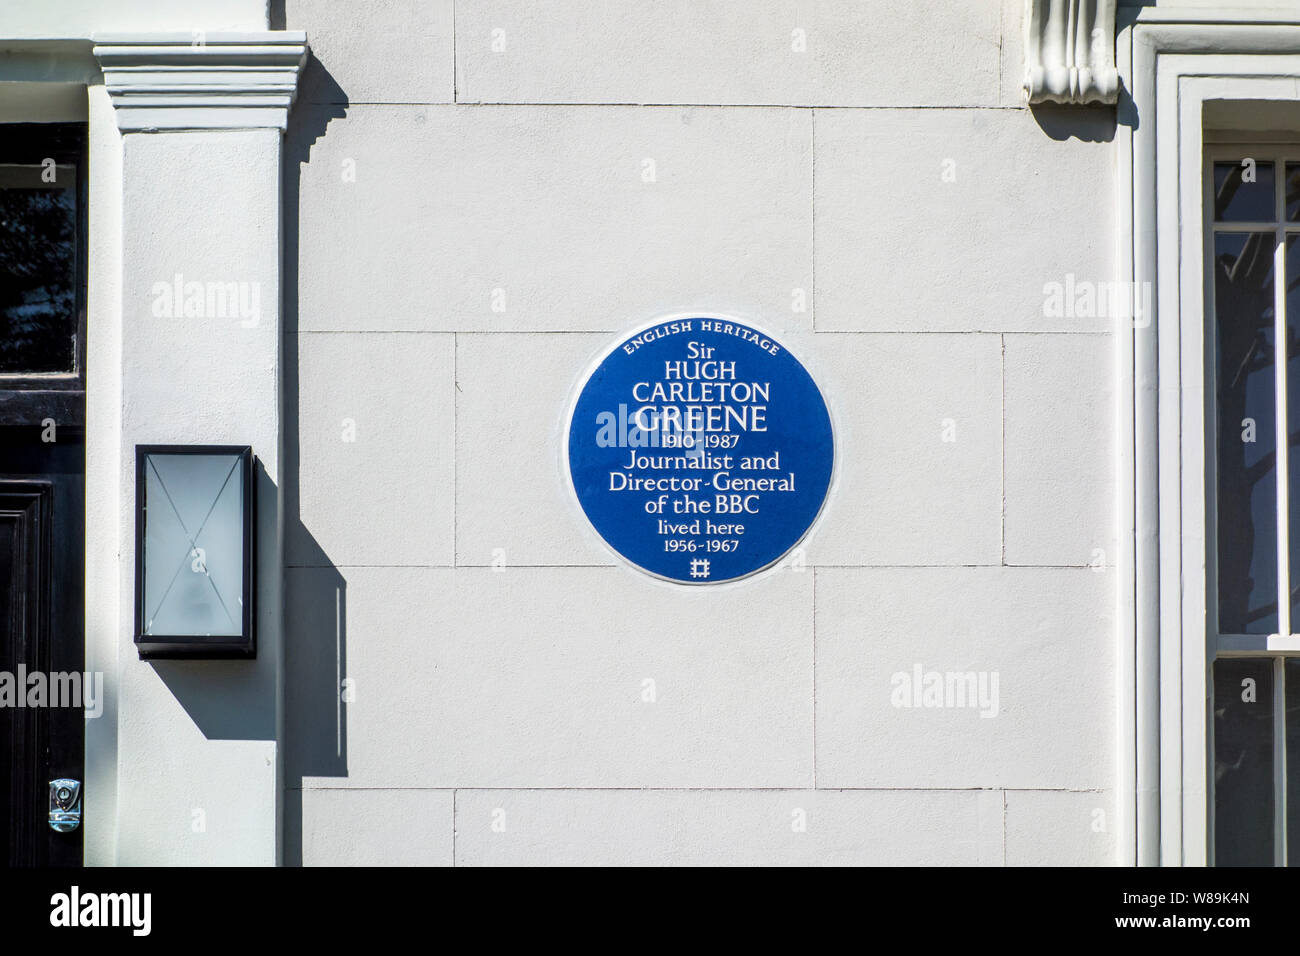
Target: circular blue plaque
{"x": 700, "y": 449}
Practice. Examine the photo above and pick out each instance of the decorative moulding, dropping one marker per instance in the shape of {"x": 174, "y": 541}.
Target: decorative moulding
{"x": 1070, "y": 51}
{"x": 177, "y": 81}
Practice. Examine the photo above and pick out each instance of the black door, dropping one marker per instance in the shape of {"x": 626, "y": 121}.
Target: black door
{"x": 44, "y": 692}
{"x": 42, "y": 615}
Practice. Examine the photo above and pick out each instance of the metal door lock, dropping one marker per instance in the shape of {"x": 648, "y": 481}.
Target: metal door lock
{"x": 65, "y": 805}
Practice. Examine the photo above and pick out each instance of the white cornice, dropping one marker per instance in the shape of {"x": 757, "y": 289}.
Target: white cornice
{"x": 175, "y": 81}
{"x": 1070, "y": 51}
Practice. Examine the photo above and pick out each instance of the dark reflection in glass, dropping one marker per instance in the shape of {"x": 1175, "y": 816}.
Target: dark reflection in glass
{"x": 1293, "y": 416}
{"x": 1243, "y": 762}
{"x": 38, "y": 269}
{"x": 1238, "y": 199}
{"x": 1247, "y": 442}
{"x": 1293, "y": 762}
{"x": 1293, "y": 192}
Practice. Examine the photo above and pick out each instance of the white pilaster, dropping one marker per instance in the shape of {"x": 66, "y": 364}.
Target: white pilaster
{"x": 201, "y": 118}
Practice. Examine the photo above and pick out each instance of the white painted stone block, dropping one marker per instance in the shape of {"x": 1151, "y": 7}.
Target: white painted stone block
{"x": 1060, "y": 457}
{"x": 514, "y": 506}
{"x": 759, "y": 52}
{"x": 546, "y": 678}
{"x": 85, "y": 18}
{"x": 956, "y": 220}
{"x": 1047, "y": 635}
{"x": 376, "y": 446}
{"x": 1013, "y": 54}
{"x": 375, "y": 827}
{"x": 1061, "y": 828}
{"x": 718, "y": 828}
{"x": 389, "y": 51}
{"x": 518, "y": 218}
{"x": 919, "y": 445}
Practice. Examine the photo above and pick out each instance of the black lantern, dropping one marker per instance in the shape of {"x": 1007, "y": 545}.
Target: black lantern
{"x": 194, "y": 553}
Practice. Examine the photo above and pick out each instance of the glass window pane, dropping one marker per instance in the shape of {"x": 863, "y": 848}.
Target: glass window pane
{"x": 38, "y": 268}
{"x": 1293, "y": 761}
{"x": 1293, "y": 192}
{"x": 1247, "y": 442}
{"x": 1243, "y": 192}
{"x": 194, "y": 552}
{"x": 1293, "y": 416}
{"x": 1243, "y": 762}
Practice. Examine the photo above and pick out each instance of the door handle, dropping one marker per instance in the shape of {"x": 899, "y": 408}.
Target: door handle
{"x": 65, "y": 805}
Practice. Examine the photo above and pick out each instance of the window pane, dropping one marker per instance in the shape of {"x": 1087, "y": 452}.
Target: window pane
{"x": 1247, "y": 487}
{"x": 38, "y": 268}
{"x": 1293, "y": 761}
{"x": 1238, "y": 199}
{"x": 1293, "y": 416}
{"x": 1293, "y": 192}
{"x": 1243, "y": 762}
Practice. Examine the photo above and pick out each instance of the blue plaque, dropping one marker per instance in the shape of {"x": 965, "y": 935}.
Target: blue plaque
{"x": 700, "y": 449}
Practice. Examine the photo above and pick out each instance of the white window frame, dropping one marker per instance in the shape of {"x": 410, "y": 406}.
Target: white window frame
{"x": 1173, "y": 63}
{"x": 1285, "y": 641}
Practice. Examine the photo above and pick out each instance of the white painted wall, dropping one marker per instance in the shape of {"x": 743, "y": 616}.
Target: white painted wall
{"x": 516, "y": 695}
{"x": 83, "y": 18}
{"x": 880, "y": 197}
{"x": 201, "y": 735}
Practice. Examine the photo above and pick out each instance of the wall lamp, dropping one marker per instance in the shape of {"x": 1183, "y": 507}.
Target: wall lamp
{"x": 194, "y": 553}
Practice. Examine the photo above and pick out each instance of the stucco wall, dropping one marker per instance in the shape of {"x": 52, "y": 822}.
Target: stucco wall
{"x": 884, "y": 201}
{"x": 83, "y": 18}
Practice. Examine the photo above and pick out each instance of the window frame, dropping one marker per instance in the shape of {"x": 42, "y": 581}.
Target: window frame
{"x": 27, "y": 398}
{"x": 1285, "y": 641}
{"x": 1171, "y": 62}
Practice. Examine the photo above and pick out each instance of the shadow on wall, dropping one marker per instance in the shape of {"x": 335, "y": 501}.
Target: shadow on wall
{"x": 315, "y": 742}
{"x": 1094, "y": 123}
